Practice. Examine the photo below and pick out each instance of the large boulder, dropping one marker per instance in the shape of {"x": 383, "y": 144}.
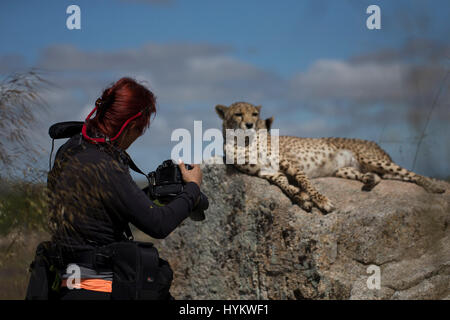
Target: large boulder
{"x": 256, "y": 244}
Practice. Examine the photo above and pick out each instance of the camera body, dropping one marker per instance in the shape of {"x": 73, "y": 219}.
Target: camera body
{"x": 166, "y": 182}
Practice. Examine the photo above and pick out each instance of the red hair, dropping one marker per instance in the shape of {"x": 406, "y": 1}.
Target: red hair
{"x": 120, "y": 102}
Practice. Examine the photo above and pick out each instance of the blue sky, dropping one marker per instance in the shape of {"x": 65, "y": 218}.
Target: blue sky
{"x": 312, "y": 64}
{"x": 284, "y": 36}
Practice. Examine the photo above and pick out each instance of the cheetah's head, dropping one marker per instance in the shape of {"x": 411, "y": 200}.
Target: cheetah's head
{"x": 239, "y": 115}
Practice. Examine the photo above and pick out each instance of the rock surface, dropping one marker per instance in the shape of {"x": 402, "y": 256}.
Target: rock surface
{"x": 255, "y": 244}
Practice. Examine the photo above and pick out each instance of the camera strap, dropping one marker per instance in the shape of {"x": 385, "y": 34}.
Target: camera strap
{"x": 134, "y": 167}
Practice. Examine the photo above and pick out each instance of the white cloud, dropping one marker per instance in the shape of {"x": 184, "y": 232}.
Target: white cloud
{"x": 337, "y": 79}
{"x": 178, "y": 73}
{"x": 85, "y": 111}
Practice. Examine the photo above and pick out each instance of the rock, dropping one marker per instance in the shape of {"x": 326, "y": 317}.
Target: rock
{"x": 255, "y": 244}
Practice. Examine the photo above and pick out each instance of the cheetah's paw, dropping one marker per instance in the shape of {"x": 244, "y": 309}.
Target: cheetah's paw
{"x": 324, "y": 204}
{"x": 302, "y": 203}
{"x": 370, "y": 180}
{"x": 434, "y": 189}
{"x": 430, "y": 186}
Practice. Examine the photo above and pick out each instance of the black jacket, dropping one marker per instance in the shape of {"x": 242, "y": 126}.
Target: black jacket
{"x": 92, "y": 197}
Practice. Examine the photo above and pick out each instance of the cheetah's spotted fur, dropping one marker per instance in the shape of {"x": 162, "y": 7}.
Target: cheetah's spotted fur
{"x": 305, "y": 158}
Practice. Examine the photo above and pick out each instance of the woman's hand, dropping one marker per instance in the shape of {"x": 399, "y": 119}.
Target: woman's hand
{"x": 193, "y": 175}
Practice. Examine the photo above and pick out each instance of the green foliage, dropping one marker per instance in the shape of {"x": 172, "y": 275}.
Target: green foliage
{"x": 22, "y": 207}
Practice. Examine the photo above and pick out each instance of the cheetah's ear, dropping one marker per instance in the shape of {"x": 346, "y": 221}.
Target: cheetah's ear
{"x": 269, "y": 123}
{"x": 259, "y": 108}
{"x": 221, "y": 110}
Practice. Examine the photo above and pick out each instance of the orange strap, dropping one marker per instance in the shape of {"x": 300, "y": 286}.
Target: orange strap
{"x": 100, "y": 285}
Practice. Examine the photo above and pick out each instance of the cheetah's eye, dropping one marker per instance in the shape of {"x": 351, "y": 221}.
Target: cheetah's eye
{"x": 255, "y": 114}
{"x": 238, "y": 114}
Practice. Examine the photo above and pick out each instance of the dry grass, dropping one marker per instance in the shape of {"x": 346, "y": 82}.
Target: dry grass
{"x": 20, "y": 103}
{"x": 14, "y": 264}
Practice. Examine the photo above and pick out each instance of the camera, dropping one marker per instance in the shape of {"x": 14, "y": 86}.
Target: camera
{"x": 166, "y": 182}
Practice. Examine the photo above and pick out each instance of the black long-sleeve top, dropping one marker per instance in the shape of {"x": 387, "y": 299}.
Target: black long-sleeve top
{"x": 92, "y": 197}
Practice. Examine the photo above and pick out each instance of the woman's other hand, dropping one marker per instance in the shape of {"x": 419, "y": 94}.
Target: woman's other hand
{"x": 193, "y": 175}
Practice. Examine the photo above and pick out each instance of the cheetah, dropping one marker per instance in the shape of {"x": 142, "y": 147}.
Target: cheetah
{"x": 301, "y": 159}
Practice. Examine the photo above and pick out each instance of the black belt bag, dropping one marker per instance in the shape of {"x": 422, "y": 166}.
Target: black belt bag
{"x": 138, "y": 272}
{"x": 44, "y": 278}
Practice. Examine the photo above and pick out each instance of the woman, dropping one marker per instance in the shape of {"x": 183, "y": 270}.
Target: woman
{"x": 92, "y": 196}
